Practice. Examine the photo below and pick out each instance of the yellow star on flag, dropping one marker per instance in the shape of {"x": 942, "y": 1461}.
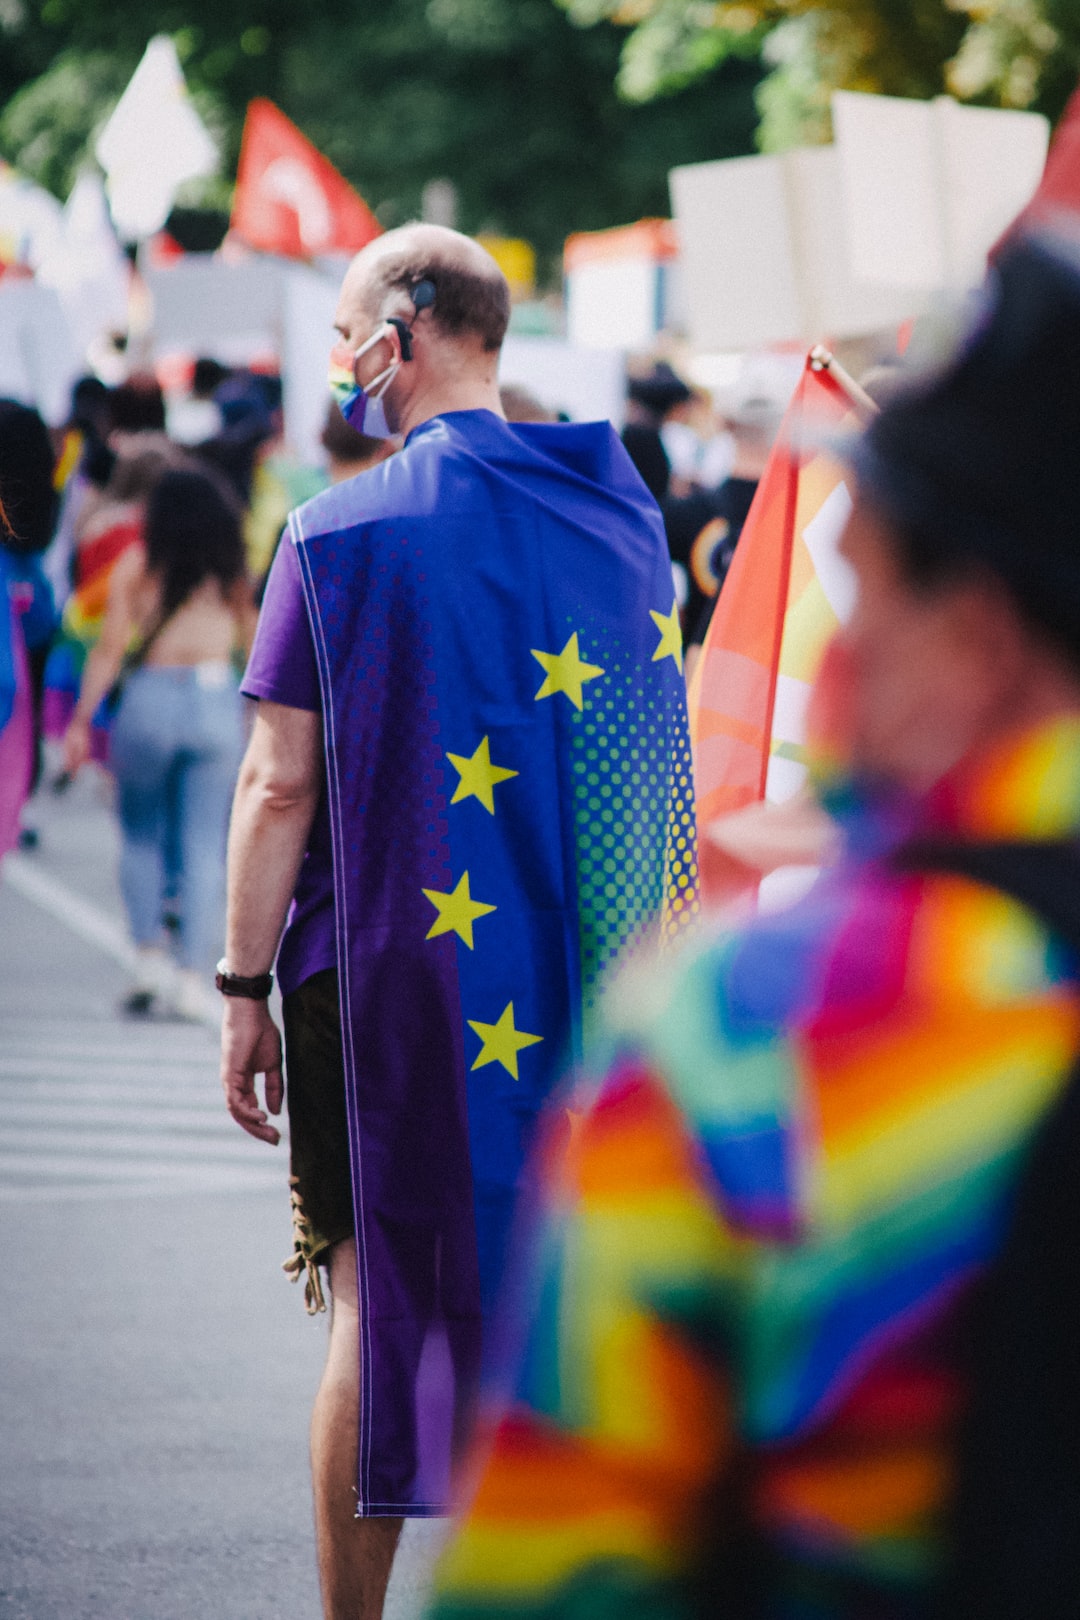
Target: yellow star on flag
{"x": 565, "y": 672}
{"x": 670, "y": 645}
{"x": 478, "y": 776}
{"x": 502, "y": 1042}
{"x": 457, "y": 911}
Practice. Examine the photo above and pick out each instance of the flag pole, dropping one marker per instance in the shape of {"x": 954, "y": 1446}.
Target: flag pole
{"x": 822, "y": 359}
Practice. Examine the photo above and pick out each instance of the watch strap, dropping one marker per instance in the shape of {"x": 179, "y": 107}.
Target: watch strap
{"x": 234, "y": 984}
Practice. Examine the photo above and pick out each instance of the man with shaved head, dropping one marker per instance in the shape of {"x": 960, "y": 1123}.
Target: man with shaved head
{"x": 469, "y": 780}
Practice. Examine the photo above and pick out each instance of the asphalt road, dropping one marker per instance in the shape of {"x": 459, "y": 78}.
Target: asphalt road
{"x": 156, "y": 1368}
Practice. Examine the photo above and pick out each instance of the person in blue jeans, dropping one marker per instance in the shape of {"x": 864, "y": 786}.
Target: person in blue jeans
{"x": 179, "y": 610}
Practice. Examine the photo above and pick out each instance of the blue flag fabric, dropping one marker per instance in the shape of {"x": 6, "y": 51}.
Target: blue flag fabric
{"x": 511, "y": 804}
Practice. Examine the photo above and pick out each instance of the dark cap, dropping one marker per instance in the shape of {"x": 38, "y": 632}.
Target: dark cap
{"x": 977, "y": 464}
{"x": 660, "y": 390}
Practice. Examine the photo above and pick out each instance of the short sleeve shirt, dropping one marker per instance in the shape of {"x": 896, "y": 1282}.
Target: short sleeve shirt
{"x": 282, "y": 669}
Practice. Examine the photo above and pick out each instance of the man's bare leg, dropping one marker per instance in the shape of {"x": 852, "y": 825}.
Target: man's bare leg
{"x": 355, "y": 1555}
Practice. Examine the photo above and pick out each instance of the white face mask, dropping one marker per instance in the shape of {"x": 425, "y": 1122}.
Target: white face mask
{"x": 361, "y": 407}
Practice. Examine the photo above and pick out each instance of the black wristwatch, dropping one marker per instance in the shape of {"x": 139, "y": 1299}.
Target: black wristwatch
{"x": 233, "y": 984}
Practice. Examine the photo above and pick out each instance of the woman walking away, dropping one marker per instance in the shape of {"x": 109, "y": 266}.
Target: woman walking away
{"x": 179, "y": 608}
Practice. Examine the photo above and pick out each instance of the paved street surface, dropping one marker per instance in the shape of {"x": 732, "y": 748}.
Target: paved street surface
{"x": 156, "y": 1368}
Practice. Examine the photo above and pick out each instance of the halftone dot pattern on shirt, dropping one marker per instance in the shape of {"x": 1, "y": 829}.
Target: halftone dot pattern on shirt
{"x": 633, "y": 808}
{"x": 681, "y": 903}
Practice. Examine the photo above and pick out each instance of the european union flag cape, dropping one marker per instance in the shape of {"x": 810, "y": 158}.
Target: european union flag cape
{"x": 509, "y": 786}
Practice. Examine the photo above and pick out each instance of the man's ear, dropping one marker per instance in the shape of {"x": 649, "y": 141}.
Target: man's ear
{"x": 400, "y": 338}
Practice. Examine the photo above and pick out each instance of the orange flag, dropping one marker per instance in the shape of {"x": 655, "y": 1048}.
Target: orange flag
{"x": 289, "y": 198}
{"x": 786, "y": 593}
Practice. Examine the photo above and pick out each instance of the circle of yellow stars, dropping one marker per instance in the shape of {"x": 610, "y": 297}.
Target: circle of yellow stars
{"x": 456, "y": 910}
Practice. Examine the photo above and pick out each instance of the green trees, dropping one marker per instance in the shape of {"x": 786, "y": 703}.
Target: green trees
{"x": 1008, "y": 53}
{"x": 509, "y": 99}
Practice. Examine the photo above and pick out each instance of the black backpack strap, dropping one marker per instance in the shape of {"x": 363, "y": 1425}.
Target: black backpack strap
{"x": 1014, "y": 1547}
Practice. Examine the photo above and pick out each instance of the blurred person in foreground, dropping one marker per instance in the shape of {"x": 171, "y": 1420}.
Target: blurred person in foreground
{"x": 179, "y": 608}
{"x": 750, "y": 1322}
{"x": 471, "y": 713}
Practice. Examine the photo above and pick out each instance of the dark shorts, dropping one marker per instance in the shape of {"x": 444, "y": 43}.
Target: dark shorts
{"x": 321, "y": 1179}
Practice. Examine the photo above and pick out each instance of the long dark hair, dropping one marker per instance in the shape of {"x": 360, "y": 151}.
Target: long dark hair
{"x": 192, "y": 533}
{"x": 26, "y": 470}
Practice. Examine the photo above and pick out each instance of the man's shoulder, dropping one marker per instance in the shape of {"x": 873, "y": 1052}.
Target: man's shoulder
{"x": 472, "y": 466}
{"x": 404, "y": 485}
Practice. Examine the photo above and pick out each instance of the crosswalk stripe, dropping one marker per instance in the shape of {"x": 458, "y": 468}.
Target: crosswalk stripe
{"x": 163, "y": 1074}
{"x": 90, "y": 922}
{"x": 119, "y": 1117}
{"x": 76, "y": 1068}
{"x": 28, "y": 1047}
{"x": 150, "y": 1141}
{"x": 207, "y": 1100}
{"x": 72, "y": 1166}
{"x": 66, "y": 1191}
{"x": 50, "y": 1111}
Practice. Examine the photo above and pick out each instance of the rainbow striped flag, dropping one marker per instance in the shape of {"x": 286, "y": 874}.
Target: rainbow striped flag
{"x": 785, "y": 596}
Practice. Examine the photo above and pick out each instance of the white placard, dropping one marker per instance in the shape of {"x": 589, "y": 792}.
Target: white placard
{"x": 992, "y": 166}
{"x": 835, "y": 302}
{"x": 588, "y": 384}
{"x": 765, "y": 257}
{"x": 737, "y": 253}
{"x": 614, "y": 303}
{"x": 929, "y": 186}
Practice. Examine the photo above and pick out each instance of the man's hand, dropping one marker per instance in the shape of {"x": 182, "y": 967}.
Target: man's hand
{"x": 251, "y": 1045}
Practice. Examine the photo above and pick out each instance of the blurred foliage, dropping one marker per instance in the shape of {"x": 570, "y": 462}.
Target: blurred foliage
{"x": 508, "y": 99}
{"x": 1006, "y": 53}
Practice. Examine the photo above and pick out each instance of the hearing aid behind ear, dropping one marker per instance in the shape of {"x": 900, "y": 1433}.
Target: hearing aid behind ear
{"x": 423, "y": 297}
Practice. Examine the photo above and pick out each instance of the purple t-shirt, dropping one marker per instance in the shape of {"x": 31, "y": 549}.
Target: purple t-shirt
{"x": 282, "y": 668}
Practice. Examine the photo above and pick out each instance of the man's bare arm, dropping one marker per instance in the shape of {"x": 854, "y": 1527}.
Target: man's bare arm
{"x": 276, "y": 798}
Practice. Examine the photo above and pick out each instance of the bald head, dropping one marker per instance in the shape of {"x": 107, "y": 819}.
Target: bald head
{"x": 472, "y": 299}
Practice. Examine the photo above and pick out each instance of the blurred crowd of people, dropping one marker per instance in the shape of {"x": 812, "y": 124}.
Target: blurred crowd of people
{"x": 137, "y": 539}
{"x": 140, "y": 535}
{"x": 701, "y": 456}
{"x": 793, "y": 1319}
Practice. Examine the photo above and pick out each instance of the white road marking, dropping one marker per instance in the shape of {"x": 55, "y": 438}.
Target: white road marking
{"x": 81, "y": 916}
{"x": 115, "y": 1110}
{"x": 88, "y": 921}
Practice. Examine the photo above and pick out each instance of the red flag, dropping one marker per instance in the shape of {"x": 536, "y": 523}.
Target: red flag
{"x": 782, "y": 601}
{"x": 289, "y": 198}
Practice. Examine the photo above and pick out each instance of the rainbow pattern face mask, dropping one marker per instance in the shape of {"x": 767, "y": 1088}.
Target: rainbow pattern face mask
{"x": 362, "y": 407}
